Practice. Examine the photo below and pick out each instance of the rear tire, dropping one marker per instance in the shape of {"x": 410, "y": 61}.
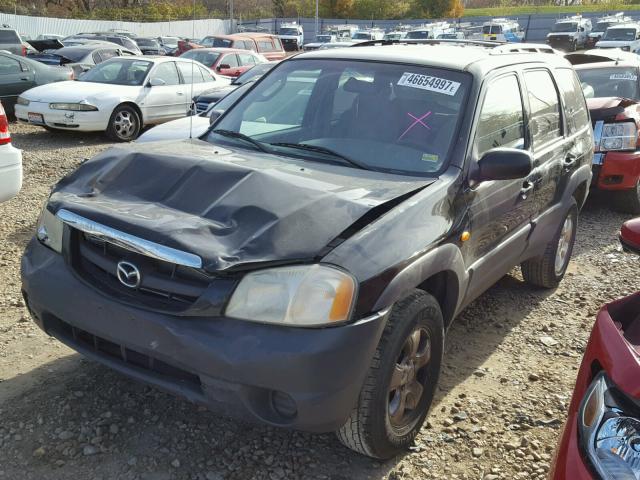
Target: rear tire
{"x": 125, "y": 124}
{"x": 547, "y": 271}
{"x": 399, "y": 387}
{"x": 628, "y": 201}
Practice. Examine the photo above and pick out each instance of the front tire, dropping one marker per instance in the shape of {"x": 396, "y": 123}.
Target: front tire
{"x": 399, "y": 387}
{"x": 125, "y": 124}
{"x": 547, "y": 271}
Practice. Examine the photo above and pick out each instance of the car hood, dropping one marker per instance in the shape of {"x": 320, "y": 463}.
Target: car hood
{"x": 215, "y": 94}
{"x": 75, "y": 91}
{"x": 176, "y": 130}
{"x": 613, "y": 43}
{"x": 608, "y": 108}
{"x": 233, "y": 208}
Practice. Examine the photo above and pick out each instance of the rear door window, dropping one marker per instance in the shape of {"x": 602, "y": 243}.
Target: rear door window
{"x": 576, "y": 111}
{"x": 230, "y": 60}
{"x": 266, "y": 46}
{"x": 168, "y": 73}
{"x": 190, "y": 73}
{"x": 544, "y": 104}
{"x": 501, "y": 122}
{"x": 246, "y": 59}
{"x": 9, "y": 66}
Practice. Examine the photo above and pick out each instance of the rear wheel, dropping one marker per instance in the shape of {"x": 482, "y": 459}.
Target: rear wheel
{"x": 628, "y": 201}
{"x": 399, "y": 387}
{"x": 547, "y": 271}
{"x": 125, "y": 124}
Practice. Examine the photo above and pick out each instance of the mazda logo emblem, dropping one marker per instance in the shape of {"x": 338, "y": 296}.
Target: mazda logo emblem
{"x": 128, "y": 274}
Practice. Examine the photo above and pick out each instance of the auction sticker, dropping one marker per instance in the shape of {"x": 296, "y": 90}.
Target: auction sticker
{"x": 623, "y": 76}
{"x": 427, "y": 82}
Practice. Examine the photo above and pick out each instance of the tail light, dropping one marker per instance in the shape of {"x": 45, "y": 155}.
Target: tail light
{"x": 72, "y": 75}
{"x": 24, "y": 51}
{"x": 5, "y": 138}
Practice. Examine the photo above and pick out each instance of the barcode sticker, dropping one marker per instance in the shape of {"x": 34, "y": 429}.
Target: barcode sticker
{"x": 623, "y": 76}
{"x": 427, "y": 82}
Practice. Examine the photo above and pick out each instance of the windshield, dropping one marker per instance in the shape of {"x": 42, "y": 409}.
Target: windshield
{"x": 119, "y": 72}
{"x": 170, "y": 41}
{"x": 565, "y": 27}
{"x": 361, "y": 36}
{"x": 205, "y": 58}
{"x": 215, "y": 42}
{"x": 620, "y": 34}
{"x": 289, "y": 31}
{"x": 393, "y": 36}
{"x": 602, "y": 26}
{"x": 418, "y": 34}
{"x": 610, "y": 82}
{"x": 323, "y": 38}
{"x": 146, "y": 42}
{"x": 492, "y": 29}
{"x": 386, "y": 117}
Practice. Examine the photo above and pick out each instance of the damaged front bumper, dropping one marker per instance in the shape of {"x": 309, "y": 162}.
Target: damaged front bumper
{"x": 616, "y": 170}
{"x": 307, "y": 379}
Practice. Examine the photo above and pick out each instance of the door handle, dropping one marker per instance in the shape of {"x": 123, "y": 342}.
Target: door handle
{"x": 180, "y": 93}
{"x": 527, "y": 188}
{"x": 25, "y": 79}
{"x": 569, "y": 161}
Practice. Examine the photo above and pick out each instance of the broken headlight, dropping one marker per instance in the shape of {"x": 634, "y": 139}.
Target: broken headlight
{"x": 619, "y": 136}
{"x": 609, "y": 425}
{"x": 49, "y": 230}
{"x": 302, "y": 295}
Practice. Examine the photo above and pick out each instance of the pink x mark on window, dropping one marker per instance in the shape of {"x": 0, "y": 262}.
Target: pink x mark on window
{"x": 417, "y": 121}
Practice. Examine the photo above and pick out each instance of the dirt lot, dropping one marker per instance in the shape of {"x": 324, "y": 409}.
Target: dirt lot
{"x": 498, "y": 412}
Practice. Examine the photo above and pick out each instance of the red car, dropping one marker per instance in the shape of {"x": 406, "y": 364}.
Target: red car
{"x": 225, "y": 61}
{"x": 601, "y": 438}
{"x": 612, "y": 88}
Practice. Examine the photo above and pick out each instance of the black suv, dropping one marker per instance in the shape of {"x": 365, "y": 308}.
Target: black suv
{"x": 301, "y": 262}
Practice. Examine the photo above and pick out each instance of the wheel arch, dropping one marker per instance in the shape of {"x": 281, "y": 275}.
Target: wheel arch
{"x": 134, "y": 105}
{"x": 440, "y": 272}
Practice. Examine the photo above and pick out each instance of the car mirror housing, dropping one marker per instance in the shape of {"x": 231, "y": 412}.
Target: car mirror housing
{"x": 224, "y": 66}
{"x": 215, "y": 115}
{"x": 505, "y": 164}
{"x": 630, "y": 236}
{"x": 157, "y": 82}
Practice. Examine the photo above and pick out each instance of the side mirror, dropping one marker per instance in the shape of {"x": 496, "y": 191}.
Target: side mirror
{"x": 215, "y": 115}
{"x": 505, "y": 164}
{"x": 630, "y": 236}
{"x": 224, "y": 66}
{"x": 157, "y": 82}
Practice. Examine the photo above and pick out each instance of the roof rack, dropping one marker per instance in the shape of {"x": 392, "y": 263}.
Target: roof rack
{"x": 496, "y": 46}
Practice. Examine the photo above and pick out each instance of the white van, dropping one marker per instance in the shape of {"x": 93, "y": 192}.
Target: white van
{"x": 570, "y": 33}
{"x": 625, "y": 36}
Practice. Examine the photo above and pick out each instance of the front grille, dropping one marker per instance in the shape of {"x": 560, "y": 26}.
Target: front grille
{"x": 201, "y": 107}
{"x": 77, "y": 337}
{"x": 163, "y": 285}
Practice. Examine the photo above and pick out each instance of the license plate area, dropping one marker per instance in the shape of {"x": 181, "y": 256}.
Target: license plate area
{"x": 36, "y": 118}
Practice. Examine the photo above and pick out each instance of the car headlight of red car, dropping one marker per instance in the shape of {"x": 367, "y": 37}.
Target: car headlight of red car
{"x": 619, "y": 136}
{"x": 609, "y": 425}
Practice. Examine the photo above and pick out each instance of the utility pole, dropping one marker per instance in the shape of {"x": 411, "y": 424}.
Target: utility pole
{"x": 231, "y": 15}
{"x": 317, "y": 15}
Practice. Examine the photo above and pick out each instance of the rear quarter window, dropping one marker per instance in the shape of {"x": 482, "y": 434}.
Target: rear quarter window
{"x": 576, "y": 111}
{"x": 544, "y": 104}
{"x": 9, "y": 36}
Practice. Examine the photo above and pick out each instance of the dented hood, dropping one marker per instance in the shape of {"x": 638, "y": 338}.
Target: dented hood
{"x": 608, "y": 108}
{"x": 232, "y": 208}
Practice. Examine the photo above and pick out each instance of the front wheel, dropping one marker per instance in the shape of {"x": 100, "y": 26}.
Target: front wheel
{"x": 547, "y": 271}
{"x": 399, "y": 387}
{"x": 125, "y": 124}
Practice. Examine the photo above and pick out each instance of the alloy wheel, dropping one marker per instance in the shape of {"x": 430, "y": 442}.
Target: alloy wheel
{"x": 564, "y": 245}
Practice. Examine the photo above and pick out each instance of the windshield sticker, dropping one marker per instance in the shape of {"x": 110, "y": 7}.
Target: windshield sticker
{"x": 430, "y": 157}
{"x": 427, "y": 82}
{"x": 416, "y": 121}
{"x": 623, "y": 76}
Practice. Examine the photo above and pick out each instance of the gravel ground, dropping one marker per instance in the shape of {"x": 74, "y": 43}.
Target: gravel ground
{"x": 510, "y": 367}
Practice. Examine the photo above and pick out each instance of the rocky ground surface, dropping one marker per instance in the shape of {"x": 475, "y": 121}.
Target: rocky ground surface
{"x": 510, "y": 366}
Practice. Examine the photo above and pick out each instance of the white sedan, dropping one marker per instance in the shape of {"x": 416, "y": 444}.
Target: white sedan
{"x": 119, "y": 96}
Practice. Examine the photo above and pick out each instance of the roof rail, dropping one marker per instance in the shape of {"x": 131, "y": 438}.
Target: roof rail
{"x": 430, "y": 41}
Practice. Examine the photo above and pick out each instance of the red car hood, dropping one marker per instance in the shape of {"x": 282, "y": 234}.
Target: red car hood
{"x": 608, "y": 102}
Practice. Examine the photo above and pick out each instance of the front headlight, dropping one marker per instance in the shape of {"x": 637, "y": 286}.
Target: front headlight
{"x": 76, "y": 107}
{"x": 303, "y": 296}
{"x": 619, "y": 136}
{"x": 609, "y": 428}
{"x": 49, "y": 230}
{"x": 23, "y": 101}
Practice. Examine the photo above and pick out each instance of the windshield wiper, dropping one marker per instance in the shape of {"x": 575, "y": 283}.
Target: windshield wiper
{"x": 325, "y": 150}
{"x": 241, "y": 136}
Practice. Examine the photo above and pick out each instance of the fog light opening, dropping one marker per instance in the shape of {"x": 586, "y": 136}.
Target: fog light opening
{"x": 283, "y": 404}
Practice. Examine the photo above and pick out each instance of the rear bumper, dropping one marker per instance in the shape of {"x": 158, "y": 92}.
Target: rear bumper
{"x": 10, "y": 172}
{"x": 234, "y": 367}
{"x": 618, "y": 171}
